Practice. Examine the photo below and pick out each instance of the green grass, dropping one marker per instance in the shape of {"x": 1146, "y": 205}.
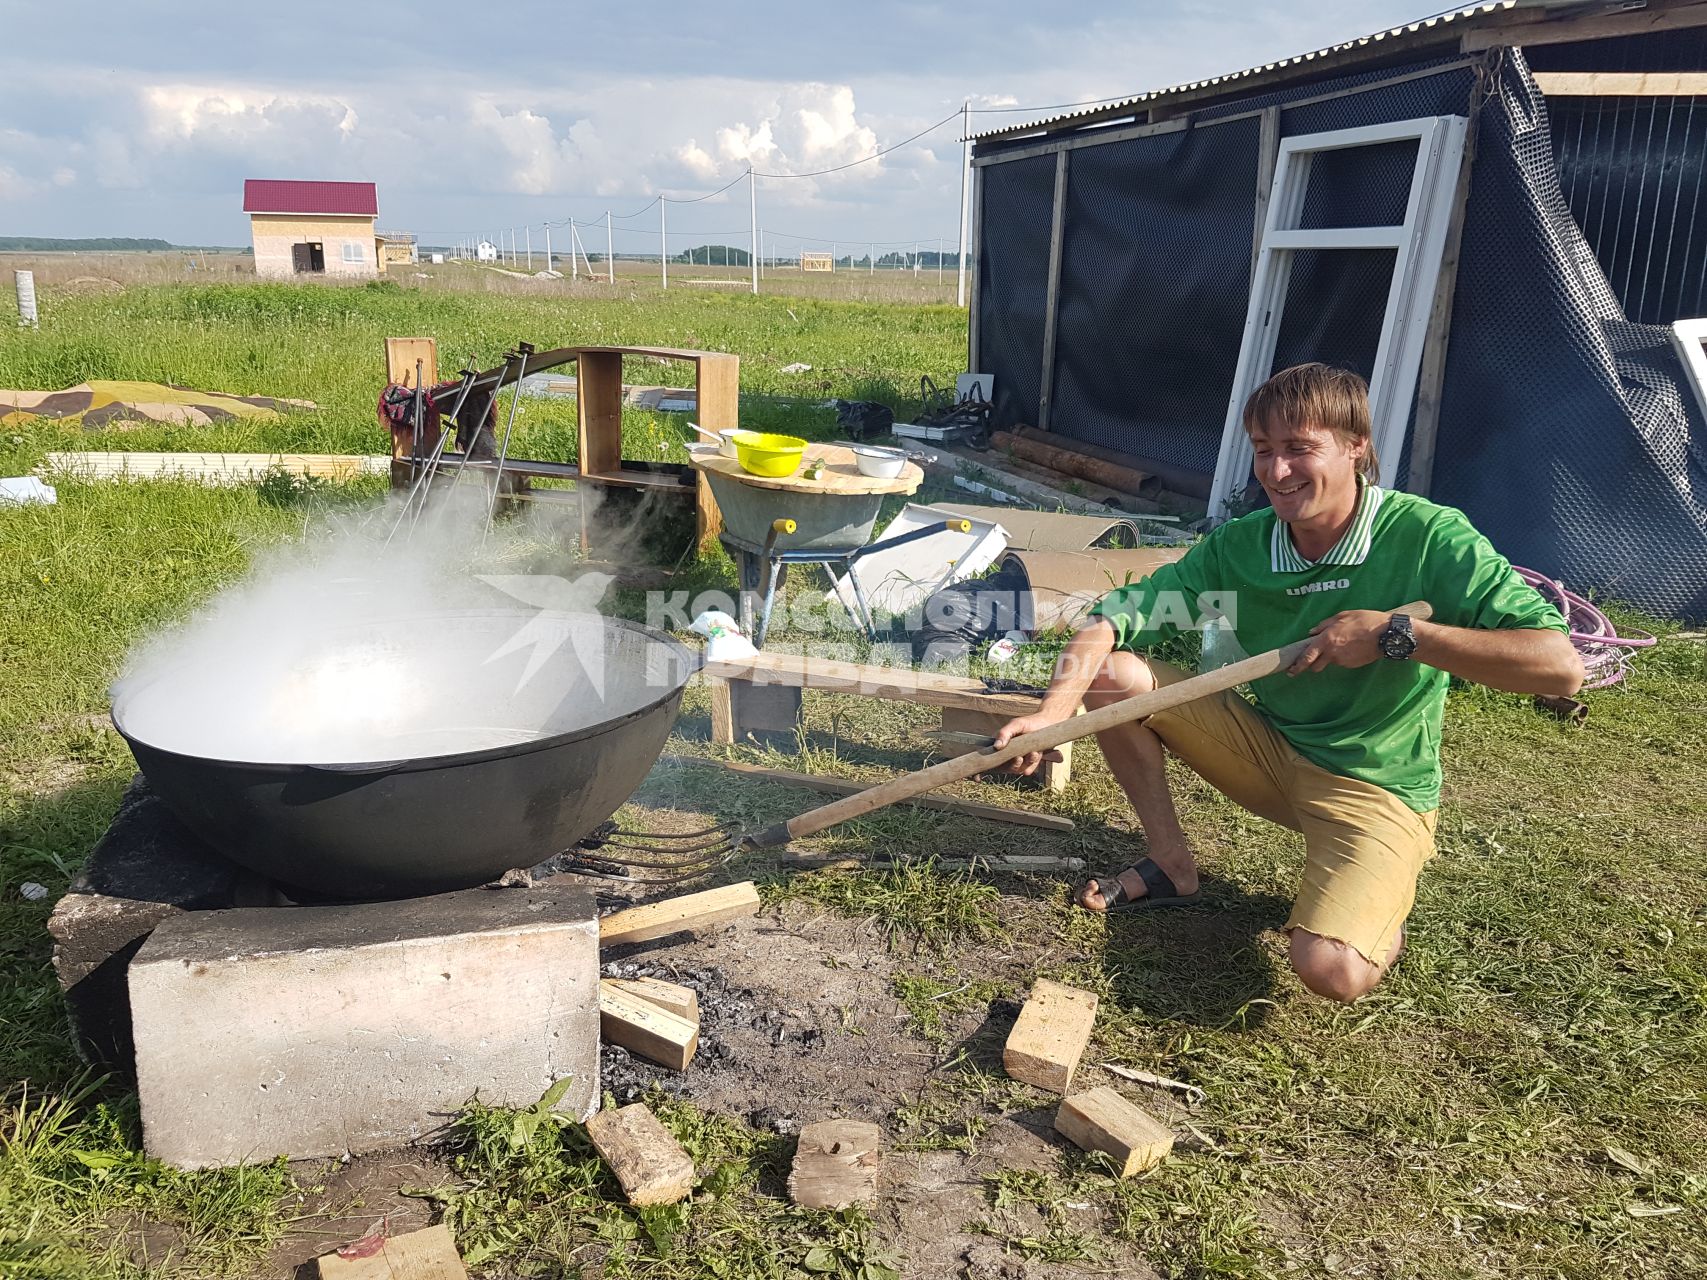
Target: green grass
{"x": 1524, "y": 1096}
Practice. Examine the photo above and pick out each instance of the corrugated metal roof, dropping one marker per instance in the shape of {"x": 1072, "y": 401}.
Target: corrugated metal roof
{"x": 342, "y": 199}
{"x": 1153, "y": 97}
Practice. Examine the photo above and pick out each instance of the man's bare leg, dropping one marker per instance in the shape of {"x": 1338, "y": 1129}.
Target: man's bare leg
{"x": 1138, "y": 761}
{"x": 1336, "y": 970}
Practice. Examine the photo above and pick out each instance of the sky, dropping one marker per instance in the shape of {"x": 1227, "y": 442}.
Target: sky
{"x": 143, "y": 117}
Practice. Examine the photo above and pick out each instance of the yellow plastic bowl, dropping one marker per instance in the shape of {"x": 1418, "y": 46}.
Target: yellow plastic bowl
{"x": 762, "y": 454}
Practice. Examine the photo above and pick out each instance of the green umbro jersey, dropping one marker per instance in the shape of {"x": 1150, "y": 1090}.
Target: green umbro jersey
{"x": 1380, "y": 723}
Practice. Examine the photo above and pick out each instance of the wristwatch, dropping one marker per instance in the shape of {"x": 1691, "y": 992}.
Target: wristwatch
{"x": 1398, "y": 641}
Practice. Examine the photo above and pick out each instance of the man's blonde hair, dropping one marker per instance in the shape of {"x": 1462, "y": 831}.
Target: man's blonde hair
{"x": 1319, "y": 396}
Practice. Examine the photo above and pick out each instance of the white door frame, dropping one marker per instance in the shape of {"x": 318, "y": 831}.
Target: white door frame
{"x": 1420, "y": 242}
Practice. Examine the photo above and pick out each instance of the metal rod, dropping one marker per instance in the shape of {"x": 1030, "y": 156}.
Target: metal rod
{"x": 965, "y": 198}
{"x": 504, "y": 445}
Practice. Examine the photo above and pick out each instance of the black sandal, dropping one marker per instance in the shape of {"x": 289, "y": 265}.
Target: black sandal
{"x": 1163, "y": 892}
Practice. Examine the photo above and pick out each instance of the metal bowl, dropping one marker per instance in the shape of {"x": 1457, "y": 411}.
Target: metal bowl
{"x": 513, "y": 734}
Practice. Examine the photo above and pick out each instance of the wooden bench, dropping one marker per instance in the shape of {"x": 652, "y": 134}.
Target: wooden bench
{"x": 762, "y": 694}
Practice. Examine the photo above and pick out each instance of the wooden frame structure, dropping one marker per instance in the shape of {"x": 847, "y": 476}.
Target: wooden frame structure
{"x": 598, "y": 417}
{"x": 1419, "y": 243}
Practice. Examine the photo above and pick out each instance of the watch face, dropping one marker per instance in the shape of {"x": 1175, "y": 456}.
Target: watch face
{"x": 1398, "y": 641}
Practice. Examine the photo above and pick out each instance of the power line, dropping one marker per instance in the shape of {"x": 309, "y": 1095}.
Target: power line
{"x": 876, "y": 155}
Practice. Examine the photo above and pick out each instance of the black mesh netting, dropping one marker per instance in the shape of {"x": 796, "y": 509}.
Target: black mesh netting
{"x": 1013, "y": 275}
{"x": 1144, "y": 351}
{"x": 1567, "y": 432}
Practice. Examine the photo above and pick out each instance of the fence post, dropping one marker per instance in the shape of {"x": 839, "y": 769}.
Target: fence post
{"x": 26, "y": 282}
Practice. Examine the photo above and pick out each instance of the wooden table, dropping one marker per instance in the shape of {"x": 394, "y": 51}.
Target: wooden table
{"x": 841, "y": 473}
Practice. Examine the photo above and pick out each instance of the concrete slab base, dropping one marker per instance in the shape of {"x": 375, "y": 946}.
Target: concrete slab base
{"x": 147, "y": 867}
{"x": 325, "y": 1030}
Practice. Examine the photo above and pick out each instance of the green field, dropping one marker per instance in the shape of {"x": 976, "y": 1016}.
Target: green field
{"x": 1525, "y": 1096}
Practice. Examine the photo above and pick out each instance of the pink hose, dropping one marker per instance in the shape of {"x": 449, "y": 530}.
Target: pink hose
{"x": 1605, "y": 653}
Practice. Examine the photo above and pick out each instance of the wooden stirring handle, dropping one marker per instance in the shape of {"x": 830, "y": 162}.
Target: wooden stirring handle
{"x": 976, "y": 762}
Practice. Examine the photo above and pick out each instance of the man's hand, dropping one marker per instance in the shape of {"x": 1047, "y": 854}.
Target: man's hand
{"x": 1345, "y": 640}
{"x": 1029, "y": 763}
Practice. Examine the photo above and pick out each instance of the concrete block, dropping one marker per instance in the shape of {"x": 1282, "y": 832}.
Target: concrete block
{"x": 147, "y": 867}
{"x": 316, "y": 1031}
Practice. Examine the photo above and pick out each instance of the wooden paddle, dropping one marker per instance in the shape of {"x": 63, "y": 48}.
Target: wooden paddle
{"x": 976, "y": 762}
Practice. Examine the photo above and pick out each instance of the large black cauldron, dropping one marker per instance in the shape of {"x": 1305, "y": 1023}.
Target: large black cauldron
{"x": 411, "y": 756}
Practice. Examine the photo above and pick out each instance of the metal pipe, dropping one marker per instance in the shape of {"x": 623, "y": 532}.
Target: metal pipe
{"x": 504, "y": 445}
{"x": 965, "y": 198}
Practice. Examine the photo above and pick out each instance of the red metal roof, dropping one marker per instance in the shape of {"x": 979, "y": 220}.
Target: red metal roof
{"x": 268, "y": 195}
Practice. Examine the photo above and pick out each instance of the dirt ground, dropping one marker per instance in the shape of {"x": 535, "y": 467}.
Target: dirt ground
{"x": 799, "y": 1023}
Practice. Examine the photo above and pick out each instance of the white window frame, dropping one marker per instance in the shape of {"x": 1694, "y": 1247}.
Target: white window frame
{"x": 359, "y": 258}
{"x": 1690, "y": 339}
{"x": 1420, "y": 242}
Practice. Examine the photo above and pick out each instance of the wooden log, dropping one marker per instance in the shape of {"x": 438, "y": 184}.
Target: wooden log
{"x": 642, "y": 1027}
{"x": 1102, "y": 1120}
{"x": 671, "y": 997}
{"x": 684, "y": 914}
{"x": 648, "y": 1162}
{"x": 1072, "y": 462}
{"x": 1187, "y": 483}
{"x": 420, "y": 1255}
{"x": 843, "y": 787}
{"x": 1050, "y": 1035}
{"x": 835, "y": 1164}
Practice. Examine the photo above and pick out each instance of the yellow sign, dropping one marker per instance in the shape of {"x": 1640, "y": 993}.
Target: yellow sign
{"x": 817, "y": 262}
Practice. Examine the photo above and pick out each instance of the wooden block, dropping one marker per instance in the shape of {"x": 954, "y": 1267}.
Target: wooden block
{"x": 671, "y": 997}
{"x": 1102, "y": 1120}
{"x": 1054, "y": 775}
{"x": 763, "y": 708}
{"x": 688, "y": 912}
{"x": 642, "y": 1027}
{"x": 835, "y": 1164}
{"x": 647, "y": 1161}
{"x": 420, "y": 1255}
{"x": 1051, "y": 1033}
{"x": 401, "y": 355}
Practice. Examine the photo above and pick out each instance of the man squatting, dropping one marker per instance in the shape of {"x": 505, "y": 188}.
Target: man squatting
{"x": 1344, "y": 746}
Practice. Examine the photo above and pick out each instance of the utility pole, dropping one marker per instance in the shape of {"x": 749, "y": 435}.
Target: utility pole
{"x": 939, "y": 262}
{"x": 528, "y": 230}
{"x": 574, "y": 263}
{"x": 663, "y": 249}
{"x": 548, "y": 246}
{"x": 871, "y": 260}
{"x": 965, "y": 198}
{"x": 915, "y": 259}
{"x": 610, "y": 250}
{"x": 753, "y": 200}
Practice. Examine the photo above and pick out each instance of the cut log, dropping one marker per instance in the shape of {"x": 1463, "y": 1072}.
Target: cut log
{"x": 1182, "y": 480}
{"x": 1102, "y": 1120}
{"x": 679, "y": 915}
{"x": 647, "y": 1161}
{"x": 1071, "y": 462}
{"x": 669, "y": 996}
{"x": 1050, "y": 1035}
{"x": 835, "y": 1164}
{"x": 642, "y": 1027}
{"x": 419, "y": 1255}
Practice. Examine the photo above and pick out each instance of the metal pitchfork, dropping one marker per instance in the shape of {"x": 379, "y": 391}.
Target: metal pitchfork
{"x": 672, "y": 859}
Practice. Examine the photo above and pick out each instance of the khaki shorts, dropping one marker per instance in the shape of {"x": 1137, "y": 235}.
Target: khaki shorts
{"x": 1363, "y": 846}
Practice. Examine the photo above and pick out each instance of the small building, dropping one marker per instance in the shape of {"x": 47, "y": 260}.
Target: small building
{"x": 1496, "y": 215}
{"x": 313, "y": 228}
{"x": 485, "y": 251}
{"x": 397, "y": 249}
